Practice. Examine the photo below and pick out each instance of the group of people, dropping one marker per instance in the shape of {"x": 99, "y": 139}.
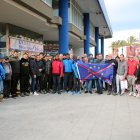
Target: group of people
{"x": 40, "y": 74}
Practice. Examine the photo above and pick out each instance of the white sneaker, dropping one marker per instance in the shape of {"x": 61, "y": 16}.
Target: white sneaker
{"x": 134, "y": 94}
{"x": 131, "y": 93}
{"x": 35, "y": 93}
{"x": 138, "y": 96}
{"x": 122, "y": 93}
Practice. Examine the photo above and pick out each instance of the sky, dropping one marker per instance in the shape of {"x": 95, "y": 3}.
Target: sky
{"x": 124, "y": 18}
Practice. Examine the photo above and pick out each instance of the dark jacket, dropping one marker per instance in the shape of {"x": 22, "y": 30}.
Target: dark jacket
{"x": 137, "y": 74}
{"x": 48, "y": 67}
{"x": 24, "y": 66}
{"x": 115, "y": 65}
{"x": 15, "y": 64}
{"x": 33, "y": 67}
{"x": 40, "y": 65}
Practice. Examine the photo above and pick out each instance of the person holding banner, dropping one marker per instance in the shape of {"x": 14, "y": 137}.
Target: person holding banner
{"x": 112, "y": 88}
{"x": 99, "y": 82}
{"x": 76, "y": 80}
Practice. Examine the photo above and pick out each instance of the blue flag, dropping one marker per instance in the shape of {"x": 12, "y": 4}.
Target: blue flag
{"x": 103, "y": 71}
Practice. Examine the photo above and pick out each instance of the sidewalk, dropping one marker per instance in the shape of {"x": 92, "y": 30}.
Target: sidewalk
{"x": 70, "y": 117}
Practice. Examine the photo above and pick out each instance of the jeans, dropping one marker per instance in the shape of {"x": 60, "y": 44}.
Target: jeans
{"x": 131, "y": 83}
{"x": 99, "y": 85}
{"x": 118, "y": 78}
{"x": 68, "y": 79}
{"x": 88, "y": 84}
{"x": 76, "y": 84}
{"x": 7, "y": 88}
{"x": 33, "y": 84}
{"x": 56, "y": 83}
{"x": 24, "y": 83}
{"x": 14, "y": 83}
{"x": 48, "y": 78}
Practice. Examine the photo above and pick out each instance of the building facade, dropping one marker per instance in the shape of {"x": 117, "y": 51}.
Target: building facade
{"x": 70, "y": 25}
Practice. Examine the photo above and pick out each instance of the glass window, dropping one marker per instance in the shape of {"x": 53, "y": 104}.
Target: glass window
{"x": 75, "y": 15}
{"x": 2, "y": 39}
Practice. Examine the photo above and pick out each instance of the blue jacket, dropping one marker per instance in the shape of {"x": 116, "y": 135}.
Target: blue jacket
{"x": 67, "y": 65}
{"x": 75, "y": 72}
{"x": 2, "y": 73}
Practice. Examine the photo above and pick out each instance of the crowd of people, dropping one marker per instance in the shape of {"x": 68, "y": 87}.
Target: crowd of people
{"x": 36, "y": 74}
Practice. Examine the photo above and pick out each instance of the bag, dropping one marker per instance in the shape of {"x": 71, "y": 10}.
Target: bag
{"x": 124, "y": 84}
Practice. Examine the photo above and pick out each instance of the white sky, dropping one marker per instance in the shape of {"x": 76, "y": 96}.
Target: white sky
{"x": 124, "y": 18}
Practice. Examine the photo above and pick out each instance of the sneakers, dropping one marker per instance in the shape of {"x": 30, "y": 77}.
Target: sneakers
{"x": 78, "y": 92}
{"x": 138, "y": 95}
{"x": 131, "y": 93}
{"x": 22, "y": 94}
{"x": 109, "y": 93}
{"x": 69, "y": 92}
{"x": 1, "y": 98}
{"x": 73, "y": 92}
{"x": 134, "y": 94}
{"x": 86, "y": 91}
{"x": 90, "y": 92}
{"x": 35, "y": 93}
{"x": 122, "y": 93}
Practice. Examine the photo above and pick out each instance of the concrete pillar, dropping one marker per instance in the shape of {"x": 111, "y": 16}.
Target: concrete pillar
{"x": 87, "y": 33}
{"x": 102, "y": 46}
{"x": 97, "y": 40}
{"x": 63, "y": 29}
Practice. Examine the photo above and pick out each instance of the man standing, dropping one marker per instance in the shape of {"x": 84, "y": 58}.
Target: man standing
{"x": 57, "y": 72}
{"x": 68, "y": 75}
{"x": 24, "y": 75}
{"x": 48, "y": 73}
{"x": 112, "y": 88}
{"x": 99, "y": 82}
{"x": 40, "y": 68}
{"x": 15, "y": 64}
{"x": 121, "y": 74}
{"x": 132, "y": 66}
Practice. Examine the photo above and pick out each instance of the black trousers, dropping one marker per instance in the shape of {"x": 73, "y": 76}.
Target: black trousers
{"x": 68, "y": 81}
{"x": 14, "y": 83}
{"x": 48, "y": 80}
{"x": 76, "y": 84}
{"x": 7, "y": 88}
{"x": 39, "y": 83}
{"x": 56, "y": 83}
{"x": 24, "y": 83}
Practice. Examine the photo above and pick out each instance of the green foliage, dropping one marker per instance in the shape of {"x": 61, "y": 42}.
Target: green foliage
{"x": 120, "y": 43}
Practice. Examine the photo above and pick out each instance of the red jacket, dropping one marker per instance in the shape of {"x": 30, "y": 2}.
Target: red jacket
{"x": 132, "y": 66}
{"x": 57, "y": 67}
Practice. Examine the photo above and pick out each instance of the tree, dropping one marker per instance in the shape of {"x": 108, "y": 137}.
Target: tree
{"x": 131, "y": 40}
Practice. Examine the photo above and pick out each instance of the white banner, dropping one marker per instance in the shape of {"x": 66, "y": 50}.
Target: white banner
{"x": 24, "y": 45}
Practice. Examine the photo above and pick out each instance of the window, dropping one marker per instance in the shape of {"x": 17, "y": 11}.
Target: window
{"x": 75, "y": 15}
